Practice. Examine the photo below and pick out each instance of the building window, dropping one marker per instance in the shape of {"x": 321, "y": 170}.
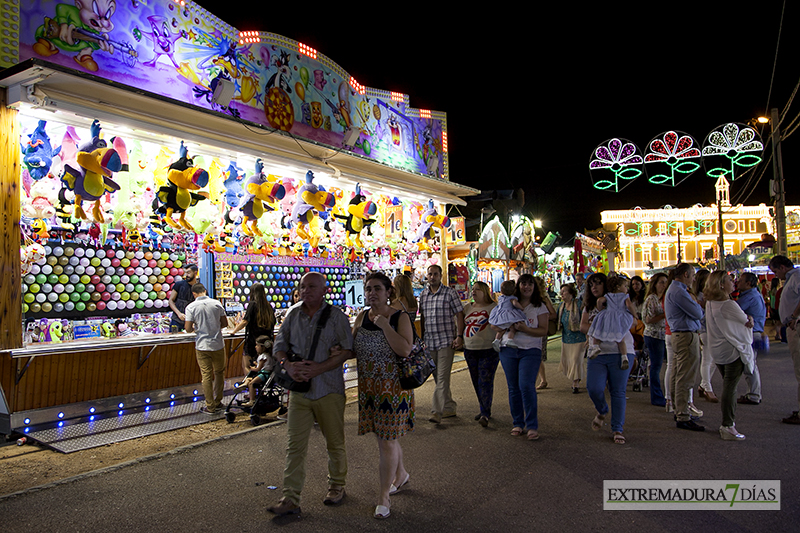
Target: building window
{"x": 662, "y": 228}
{"x": 752, "y": 224}
{"x": 663, "y": 255}
{"x": 708, "y": 227}
{"x": 646, "y": 254}
{"x": 741, "y": 226}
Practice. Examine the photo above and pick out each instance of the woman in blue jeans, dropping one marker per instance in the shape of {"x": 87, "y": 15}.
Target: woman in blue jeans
{"x": 604, "y": 370}
{"x": 654, "y": 334}
{"x": 521, "y": 364}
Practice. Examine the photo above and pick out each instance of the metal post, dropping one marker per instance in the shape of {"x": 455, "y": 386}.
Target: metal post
{"x": 780, "y": 193}
{"x": 721, "y": 232}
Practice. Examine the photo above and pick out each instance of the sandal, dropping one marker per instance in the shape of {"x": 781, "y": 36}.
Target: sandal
{"x": 516, "y": 432}
{"x": 598, "y": 422}
{"x": 542, "y": 385}
{"x": 533, "y": 434}
{"x": 619, "y": 438}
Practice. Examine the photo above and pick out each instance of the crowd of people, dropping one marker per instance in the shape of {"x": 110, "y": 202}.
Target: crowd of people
{"x": 683, "y": 318}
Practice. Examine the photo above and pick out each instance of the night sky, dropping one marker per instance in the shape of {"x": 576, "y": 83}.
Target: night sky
{"x": 530, "y": 94}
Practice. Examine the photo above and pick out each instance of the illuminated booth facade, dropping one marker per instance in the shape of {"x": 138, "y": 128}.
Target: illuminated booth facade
{"x": 165, "y": 137}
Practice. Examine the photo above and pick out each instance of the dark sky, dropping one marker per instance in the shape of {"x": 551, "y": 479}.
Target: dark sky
{"x": 529, "y": 94}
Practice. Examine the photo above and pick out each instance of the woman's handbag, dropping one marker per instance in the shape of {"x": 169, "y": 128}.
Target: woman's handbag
{"x": 415, "y": 369}
{"x": 282, "y": 376}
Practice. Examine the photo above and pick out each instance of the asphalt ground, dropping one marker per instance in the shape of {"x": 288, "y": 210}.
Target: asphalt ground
{"x": 463, "y": 477}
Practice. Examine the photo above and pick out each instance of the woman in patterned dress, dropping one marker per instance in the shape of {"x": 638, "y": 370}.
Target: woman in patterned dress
{"x": 381, "y": 335}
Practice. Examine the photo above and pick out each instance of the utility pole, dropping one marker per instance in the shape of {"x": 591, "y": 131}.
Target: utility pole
{"x": 777, "y": 184}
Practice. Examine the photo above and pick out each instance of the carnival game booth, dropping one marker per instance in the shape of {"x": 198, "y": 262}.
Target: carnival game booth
{"x": 503, "y": 254}
{"x": 169, "y": 138}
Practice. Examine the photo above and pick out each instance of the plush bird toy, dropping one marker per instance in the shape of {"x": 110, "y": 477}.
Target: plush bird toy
{"x": 92, "y": 180}
{"x": 310, "y": 198}
{"x": 359, "y": 211}
{"x": 38, "y": 153}
{"x": 176, "y": 196}
{"x": 429, "y": 220}
{"x": 261, "y": 194}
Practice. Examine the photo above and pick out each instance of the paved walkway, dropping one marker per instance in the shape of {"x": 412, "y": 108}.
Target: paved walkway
{"x": 463, "y": 477}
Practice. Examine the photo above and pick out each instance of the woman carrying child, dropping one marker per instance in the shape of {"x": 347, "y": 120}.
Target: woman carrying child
{"x": 507, "y": 313}
{"x": 614, "y": 322}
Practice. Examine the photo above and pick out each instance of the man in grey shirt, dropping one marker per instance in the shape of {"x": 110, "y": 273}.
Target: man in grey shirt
{"x": 207, "y": 318}
{"x": 789, "y": 311}
{"x": 325, "y": 401}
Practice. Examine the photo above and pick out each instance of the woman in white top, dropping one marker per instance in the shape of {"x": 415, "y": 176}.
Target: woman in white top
{"x": 521, "y": 364}
{"x": 730, "y": 339}
{"x": 481, "y": 358}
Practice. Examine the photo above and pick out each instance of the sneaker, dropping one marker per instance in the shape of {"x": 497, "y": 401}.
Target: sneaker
{"x": 594, "y": 351}
{"x": 436, "y": 418}
{"x": 334, "y": 496}
{"x": 794, "y": 419}
{"x": 694, "y": 411}
{"x": 496, "y": 345}
{"x": 730, "y": 433}
{"x": 284, "y": 507}
{"x": 483, "y": 421}
{"x": 449, "y": 414}
{"x": 624, "y": 363}
{"x": 668, "y": 406}
{"x": 691, "y": 425}
{"x": 206, "y": 411}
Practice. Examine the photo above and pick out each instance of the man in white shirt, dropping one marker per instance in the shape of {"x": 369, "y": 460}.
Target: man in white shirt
{"x": 789, "y": 311}
{"x": 207, "y": 318}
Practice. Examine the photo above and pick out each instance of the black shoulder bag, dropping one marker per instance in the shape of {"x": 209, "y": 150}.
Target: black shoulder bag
{"x": 283, "y": 378}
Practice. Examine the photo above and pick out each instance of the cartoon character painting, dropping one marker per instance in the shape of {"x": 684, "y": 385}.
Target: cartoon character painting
{"x": 163, "y": 39}
{"x": 82, "y": 28}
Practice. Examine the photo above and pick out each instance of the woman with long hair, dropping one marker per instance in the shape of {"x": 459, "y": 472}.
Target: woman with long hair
{"x": 481, "y": 358}
{"x": 542, "y": 378}
{"x": 573, "y": 342}
{"x": 381, "y": 335}
{"x": 654, "y": 333}
{"x": 403, "y": 296}
{"x": 521, "y": 364}
{"x": 706, "y": 361}
{"x": 258, "y": 320}
{"x": 730, "y": 340}
{"x": 604, "y": 370}
{"x": 637, "y": 293}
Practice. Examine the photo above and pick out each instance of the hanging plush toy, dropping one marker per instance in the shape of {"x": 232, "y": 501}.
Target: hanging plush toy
{"x": 92, "y": 180}
{"x": 359, "y": 211}
{"x": 310, "y": 198}
{"x": 176, "y": 196}
{"x": 429, "y": 220}
{"x": 233, "y": 185}
{"x": 261, "y": 194}
{"x": 38, "y": 153}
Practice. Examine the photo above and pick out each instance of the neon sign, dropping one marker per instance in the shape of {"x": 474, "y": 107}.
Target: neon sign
{"x": 671, "y": 158}
{"x": 731, "y": 150}
{"x": 616, "y": 164}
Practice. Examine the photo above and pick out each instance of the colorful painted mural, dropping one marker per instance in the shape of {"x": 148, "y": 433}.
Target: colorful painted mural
{"x": 183, "y": 52}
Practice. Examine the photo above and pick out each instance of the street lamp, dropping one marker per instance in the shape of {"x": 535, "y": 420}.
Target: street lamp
{"x": 776, "y": 185}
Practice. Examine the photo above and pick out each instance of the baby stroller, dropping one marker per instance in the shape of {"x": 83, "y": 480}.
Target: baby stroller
{"x": 268, "y": 399}
{"x": 641, "y": 374}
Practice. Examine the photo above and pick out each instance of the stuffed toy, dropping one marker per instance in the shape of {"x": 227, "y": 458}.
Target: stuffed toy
{"x": 261, "y": 194}
{"x": 97, "y": 162}
{"x": 359, "y": 211}
{"x": 176, "y": 196}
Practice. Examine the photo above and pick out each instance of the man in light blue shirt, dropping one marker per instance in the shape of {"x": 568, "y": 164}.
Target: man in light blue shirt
{"x": 752, "y": 303}
{"x": 683, "y": 315}
{"x": 789, "y": 310}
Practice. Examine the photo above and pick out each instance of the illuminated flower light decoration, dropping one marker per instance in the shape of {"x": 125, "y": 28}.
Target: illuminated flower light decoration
{"x": 731, "y": 150}
{"x": 615, "y": 164}
{"x": 671, "y": 158}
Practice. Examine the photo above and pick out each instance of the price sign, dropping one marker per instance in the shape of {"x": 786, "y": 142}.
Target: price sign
{"x": 393, "y": 222}
{"x": 354, "y": 293}
{"x": 456, "y": 233}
